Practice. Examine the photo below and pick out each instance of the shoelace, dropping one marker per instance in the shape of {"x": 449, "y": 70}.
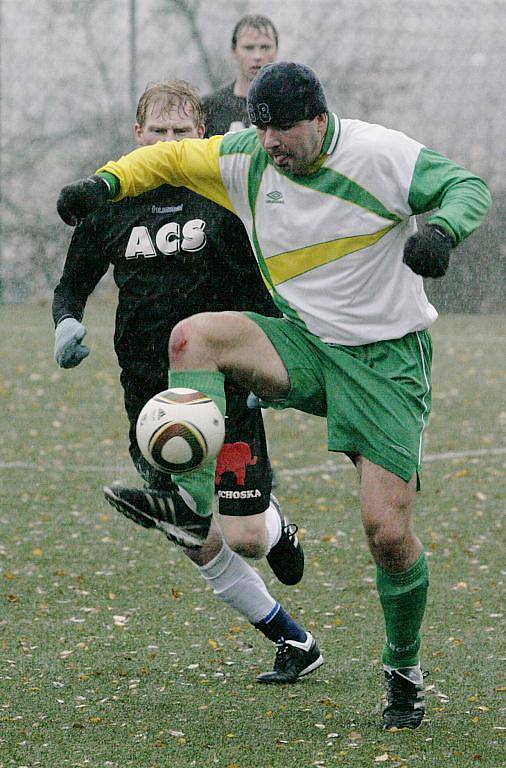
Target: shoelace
{"x": 281, "y": 654}
{"x": 291, "y": 530}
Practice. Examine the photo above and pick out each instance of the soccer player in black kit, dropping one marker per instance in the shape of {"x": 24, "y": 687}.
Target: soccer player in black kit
{"x": 175, "y": 254}
{"x": 254, "y": 44}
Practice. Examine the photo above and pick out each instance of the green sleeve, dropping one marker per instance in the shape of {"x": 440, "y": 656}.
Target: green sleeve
{"x": 113, "y": 182}
{"x": 462, "y": 198}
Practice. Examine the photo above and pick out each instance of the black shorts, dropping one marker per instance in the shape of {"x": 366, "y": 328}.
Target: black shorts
{"x": 243, "y": 471}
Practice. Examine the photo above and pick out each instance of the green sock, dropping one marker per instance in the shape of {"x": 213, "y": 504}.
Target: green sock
{"x": 403, "y": 597}
{"x": 200, "y": 483}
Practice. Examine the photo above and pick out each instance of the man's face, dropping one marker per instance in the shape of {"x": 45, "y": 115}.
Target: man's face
{"x": 171, "y": 124}
{"x": 253, "y": 50}
{"x": 294, "y": 148}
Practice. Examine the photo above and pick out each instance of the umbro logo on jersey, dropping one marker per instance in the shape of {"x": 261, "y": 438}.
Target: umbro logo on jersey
{"x": 274, "y": 197}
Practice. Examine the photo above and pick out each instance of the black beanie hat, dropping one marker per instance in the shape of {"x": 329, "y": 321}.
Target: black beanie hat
{"x": 283, "y": 93}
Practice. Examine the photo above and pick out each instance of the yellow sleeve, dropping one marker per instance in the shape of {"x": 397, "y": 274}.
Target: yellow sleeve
{"x": 192, "y": 163}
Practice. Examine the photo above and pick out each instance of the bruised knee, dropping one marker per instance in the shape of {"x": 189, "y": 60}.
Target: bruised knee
{"x": 191, "y": 344}
{"x": 180, "y": 339}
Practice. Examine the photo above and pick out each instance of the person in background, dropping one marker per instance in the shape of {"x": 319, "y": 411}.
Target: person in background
{"x": 254, "y": 43}
{"x": 176, "y": 253}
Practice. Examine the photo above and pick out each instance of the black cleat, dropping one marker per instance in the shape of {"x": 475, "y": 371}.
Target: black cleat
{"x": 405, "y": 698}
{"x": 293, "y": 660}
{"x": 170, "y": 511}
{"x": 286, "y": 558}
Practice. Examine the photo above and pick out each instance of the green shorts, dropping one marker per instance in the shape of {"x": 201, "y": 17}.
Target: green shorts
{"x": 376, "y": 397}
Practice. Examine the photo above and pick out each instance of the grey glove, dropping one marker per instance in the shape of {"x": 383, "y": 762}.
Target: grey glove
{"x": 68, "y": 350}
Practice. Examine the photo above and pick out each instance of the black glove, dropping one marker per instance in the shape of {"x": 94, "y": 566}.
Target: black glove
{"x": 428, "y": 252}
{"x": 82, "y": 197}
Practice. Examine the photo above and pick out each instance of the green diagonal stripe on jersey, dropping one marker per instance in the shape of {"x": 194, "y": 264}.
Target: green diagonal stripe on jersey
{"x": 256, "y": 169}
{"x": 333, "y": 183}
{"x": 241, "y": 142}
{"x": 285, "y": 266}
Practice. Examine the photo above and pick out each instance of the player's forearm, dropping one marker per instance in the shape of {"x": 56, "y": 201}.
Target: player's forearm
{"x": 85, "y": 265}
{"x": 66, "y": 304}
{"x": 464, "y": 207}
{"x": 192, "y": 163}
{"x": 141, "y": 170}
{"x": 462, "y": 199}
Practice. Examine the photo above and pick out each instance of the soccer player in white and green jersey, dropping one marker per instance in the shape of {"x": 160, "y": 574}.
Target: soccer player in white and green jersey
{"x": 329, "y": 205}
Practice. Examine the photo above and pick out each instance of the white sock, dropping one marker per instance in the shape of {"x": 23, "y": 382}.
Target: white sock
{"x": 238, "y": 584}
{"x": 272, "y": 523}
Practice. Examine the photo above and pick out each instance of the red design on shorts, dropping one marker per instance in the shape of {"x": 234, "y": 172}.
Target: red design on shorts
{"x": 236, "y": 458}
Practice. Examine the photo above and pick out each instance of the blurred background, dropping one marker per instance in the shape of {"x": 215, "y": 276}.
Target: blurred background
{"x": 71, "y": 72}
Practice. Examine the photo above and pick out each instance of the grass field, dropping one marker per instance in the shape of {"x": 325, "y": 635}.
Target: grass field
{"x": 112, "y": 651}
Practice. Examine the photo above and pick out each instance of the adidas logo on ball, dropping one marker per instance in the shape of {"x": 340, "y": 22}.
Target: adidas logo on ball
{"x": 179, "y": 430}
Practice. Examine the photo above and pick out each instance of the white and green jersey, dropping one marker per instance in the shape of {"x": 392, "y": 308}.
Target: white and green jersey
{"x": 329, "y": 244}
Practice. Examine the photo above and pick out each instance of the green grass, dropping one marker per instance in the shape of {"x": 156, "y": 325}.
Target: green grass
{"x": 112, "y": 651}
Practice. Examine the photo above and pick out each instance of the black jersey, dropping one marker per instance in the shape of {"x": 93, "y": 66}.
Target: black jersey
{"x": 225, "y": 111}
{"x": 174, "y": 254}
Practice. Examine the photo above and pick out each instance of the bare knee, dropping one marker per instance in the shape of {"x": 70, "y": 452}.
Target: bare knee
{"x": 387, "y": 517}
{"x": 246, "y": 536}
{"x": 389, "y": 541}
{"x": 179, "y": 339}
{"x": 203, "y": 341}
{"x": 188, "y": 342}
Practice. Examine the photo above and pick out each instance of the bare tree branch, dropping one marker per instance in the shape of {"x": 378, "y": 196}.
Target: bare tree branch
{"x": 190, "y": 12}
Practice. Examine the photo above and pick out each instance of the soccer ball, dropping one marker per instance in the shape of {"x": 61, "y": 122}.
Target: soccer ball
{"x": 179, "y": 430}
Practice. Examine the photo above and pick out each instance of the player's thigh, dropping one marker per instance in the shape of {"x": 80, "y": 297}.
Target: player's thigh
{"x": 302, "y": 359}
{"x": 379, "y": 402}
{"x": 233, "y": 342}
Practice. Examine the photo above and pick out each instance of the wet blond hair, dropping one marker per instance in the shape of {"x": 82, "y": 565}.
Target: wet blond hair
{"x": 169, "y": 94}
